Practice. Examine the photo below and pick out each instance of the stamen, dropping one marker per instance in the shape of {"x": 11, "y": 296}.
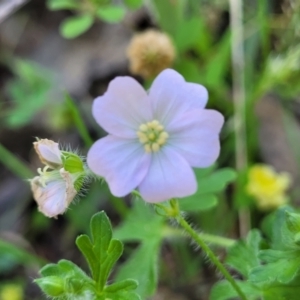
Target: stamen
{"x": 147, "y": 148}
{"x": 152, "y": 135}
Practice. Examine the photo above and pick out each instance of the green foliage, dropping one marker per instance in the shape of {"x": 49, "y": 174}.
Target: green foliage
{"x": 66, "y": 280}
{"x": 269, "y": 273}
{"x": 133, "y": 4}
{"x": 111, "y": 14}
{"x": 87, "y": 11}
{"x": 144, "y": 226}
{"x": 28, "y": 92}
{"x": 75, "y": 26}
{"x": 243, "y": 256}
{"x": 209, "y": 183}
{"x": 12, "y": 255}
{"x": 62, "y": 4}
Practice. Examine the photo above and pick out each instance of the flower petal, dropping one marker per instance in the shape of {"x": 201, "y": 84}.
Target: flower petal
{"x": 171, "y": 96}
{"x": 123, "y": 108}
{"x": 122, "y": 162}
{"x": 169, "y": 176}
{"x": 195, "y": 136}
{"x": 48, "y": 152}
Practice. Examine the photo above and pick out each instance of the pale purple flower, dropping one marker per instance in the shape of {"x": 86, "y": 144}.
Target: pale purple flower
{"x": 154, "y": 138}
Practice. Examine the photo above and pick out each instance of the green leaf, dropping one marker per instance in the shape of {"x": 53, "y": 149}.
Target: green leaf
{"x": 198, "y": 202}
{"x": 146, "y": 273}
{"x": 75, "y": 26}
{"x": 133, "y": 4}
{"x": 128, "y": 285}
{"x": 216, "y": 181}
{"x": 169, "y": 14}
{"x": 111, "y": 14}
{"x": 62, "y": 4}
{"x": 217, "y": 66}
{"x": 142, "y": 225}
{"x": 12, "y": 255}
{"x": 280, "y": 292}
{"x": 282, "y": 267}
{"x": 28, "y": 91}
{"x": 282, "y": 237}
{"x": 243, "y": 256}
{"x": 63, "y": 278}
{"x": 52, "y": 286}
{"x": 208, "y": 183}
{"x": 102, "y": 252}
{"x": 223, "y": 291}
{"x": 66, "y": 280}
{"x": 85, "y": 246}
{"x": 189, "y": 33}
{"x": 101, "y": 234}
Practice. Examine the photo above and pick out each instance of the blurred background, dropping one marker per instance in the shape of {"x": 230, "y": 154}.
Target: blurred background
{"x": 248, "y": 59}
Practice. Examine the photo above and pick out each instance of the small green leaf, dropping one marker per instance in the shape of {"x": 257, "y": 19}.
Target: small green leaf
{"x": 208, "y": 183}
{"x": 128, "y": 285}
{"x": 223, "y": 290}
{"x": 198, "y": 202}
{"x": 282, "y": 267}
{"x": 133, "y": 4}
{"x": 114, "y": 252}
{"x": 101, "y": 233}
{"x": 243, "y": 256}
{"x": 75, "y": 26}
{"x": 111, "y": 14}
{"x": 85, "y": 246}
{"x": 293, "y": 222}
{"x": 216, "y": 181}
{"x": 62, "y": 4}
{"x": 52, "y": 286}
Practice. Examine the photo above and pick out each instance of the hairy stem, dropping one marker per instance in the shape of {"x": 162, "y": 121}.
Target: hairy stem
{"x": 198, "y": 239}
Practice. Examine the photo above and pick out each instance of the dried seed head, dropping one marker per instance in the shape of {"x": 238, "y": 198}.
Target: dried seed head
{"x": 150, "y": 52}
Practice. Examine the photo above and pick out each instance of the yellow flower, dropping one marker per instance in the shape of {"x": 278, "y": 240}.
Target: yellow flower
{"x": 150, "y": 52}
{"x": 11, "y": 292}
{"x": 267, "y": 187}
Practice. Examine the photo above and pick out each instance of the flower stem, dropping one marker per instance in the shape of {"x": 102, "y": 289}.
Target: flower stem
{"x": 196, "y": 237}
{"x": 14, "y": 164}
{"x": 82, "y": 130}
{"x": 239, "y": 99}
{"x": 209, "y": 238}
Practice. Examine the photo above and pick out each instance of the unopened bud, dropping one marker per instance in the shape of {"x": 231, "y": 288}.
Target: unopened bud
{"x": 48, "y": 152}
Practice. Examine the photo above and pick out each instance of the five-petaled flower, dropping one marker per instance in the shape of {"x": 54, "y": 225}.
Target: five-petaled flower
{"x": 154, "y": 138}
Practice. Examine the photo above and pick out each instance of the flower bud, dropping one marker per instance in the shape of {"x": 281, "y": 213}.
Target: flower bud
{"x": 150, "y": 52}
{"x": 48, "y": 152}
{"x": 54, "y": 191}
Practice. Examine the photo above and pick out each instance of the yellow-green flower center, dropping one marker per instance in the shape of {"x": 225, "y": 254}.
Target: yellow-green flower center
{"x": 152, "y": 135}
